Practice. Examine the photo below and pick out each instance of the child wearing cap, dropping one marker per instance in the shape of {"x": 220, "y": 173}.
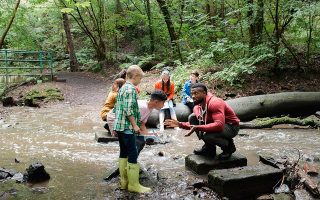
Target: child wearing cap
{"x": 186, "y": 91}
{"x": 167, "y": 86}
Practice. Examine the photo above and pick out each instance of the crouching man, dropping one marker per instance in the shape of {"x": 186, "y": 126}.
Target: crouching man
{"x": 214, "y": 122}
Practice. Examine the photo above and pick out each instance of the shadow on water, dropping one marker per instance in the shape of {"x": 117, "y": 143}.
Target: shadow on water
{"x": 62, "y": 138}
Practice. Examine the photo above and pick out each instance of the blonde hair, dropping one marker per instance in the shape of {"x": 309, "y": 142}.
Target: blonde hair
{"x": 133, "y": 71}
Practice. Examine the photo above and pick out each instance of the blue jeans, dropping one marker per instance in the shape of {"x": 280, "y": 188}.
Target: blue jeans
{"x": 171, "y": 109}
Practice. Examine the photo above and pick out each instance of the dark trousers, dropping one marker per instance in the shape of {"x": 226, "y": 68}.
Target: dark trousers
{"x": 130, "y": 146}
{"x": 221, "y": 139}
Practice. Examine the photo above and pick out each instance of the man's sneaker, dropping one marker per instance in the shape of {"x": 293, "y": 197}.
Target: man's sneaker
{"x": 231, "y": 147}
{"x": 226, "y": 154}
{"x": 204, "y": 152}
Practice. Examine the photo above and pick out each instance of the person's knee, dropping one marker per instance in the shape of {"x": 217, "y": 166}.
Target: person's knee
{"x": 172, "y": 111}
{"x": 192, "y": 119}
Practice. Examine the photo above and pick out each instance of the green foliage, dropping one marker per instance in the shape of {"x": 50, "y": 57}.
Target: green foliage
{"x": 215, "y": 42}
{"x": 180, "y": 75}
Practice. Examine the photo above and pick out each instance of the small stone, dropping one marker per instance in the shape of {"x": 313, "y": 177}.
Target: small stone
{"x": 160, "y": 154}
{"x": 18, "y": 177}
{"x": 282, "y": 189}
{"x": 39, "y": 190}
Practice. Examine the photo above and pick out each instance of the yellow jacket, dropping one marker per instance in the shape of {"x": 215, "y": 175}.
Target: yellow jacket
{"x": 108, "y": 105}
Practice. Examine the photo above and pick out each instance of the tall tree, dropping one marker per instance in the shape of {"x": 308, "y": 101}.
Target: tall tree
{"x": 74, "y": 65}
{"x": 282, "y": 17}
{"x": 150, "y": 25}
{"x": 256, "y": 21}
{"x": 173, "y": 35}
{"x": 10, "y": 23}
{"x": 90, "y": 19}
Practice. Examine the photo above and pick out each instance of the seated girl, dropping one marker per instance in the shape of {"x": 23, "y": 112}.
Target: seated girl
{"x": 186, "y": 91}
{"x": 168, "y": 87}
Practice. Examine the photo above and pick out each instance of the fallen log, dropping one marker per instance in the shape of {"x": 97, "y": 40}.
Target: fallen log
{"x": 260, "y": 106}
{"x": 287, "y": 103}
{"x": 312, "y": 121}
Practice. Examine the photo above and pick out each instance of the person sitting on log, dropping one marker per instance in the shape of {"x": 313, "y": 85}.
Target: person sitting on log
{"x": 186, "y": 91}
{"x": 214, "y": 122}
{"x": 111, "y": 100}
{"x": 168, "y": 87}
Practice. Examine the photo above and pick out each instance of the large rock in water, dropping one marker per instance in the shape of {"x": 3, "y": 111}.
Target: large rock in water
{"x": 244, "y": 182}
{"x": 182, "y": 112}
{"x": 36, "y": 173}
{"x": 202, "y": 164}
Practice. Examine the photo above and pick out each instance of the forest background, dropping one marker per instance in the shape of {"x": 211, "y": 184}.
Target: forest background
{"x": 239, "y": 44}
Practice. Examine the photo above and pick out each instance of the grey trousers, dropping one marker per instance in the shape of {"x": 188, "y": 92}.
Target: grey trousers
{"x": 221, "y": 139}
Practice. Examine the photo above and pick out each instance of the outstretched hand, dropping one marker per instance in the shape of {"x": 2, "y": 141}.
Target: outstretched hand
{"x": 192, "y": 130}
{"x": 171, "y": 123}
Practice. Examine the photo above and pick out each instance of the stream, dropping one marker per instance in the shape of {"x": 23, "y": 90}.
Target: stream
{"x": 62, "y": 138}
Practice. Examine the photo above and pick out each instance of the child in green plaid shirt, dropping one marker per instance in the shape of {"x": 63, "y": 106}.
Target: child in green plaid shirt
{"x": 126, "y": 124}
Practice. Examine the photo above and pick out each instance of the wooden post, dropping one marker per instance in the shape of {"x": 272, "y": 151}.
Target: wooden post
{"x": 6, "y": 61}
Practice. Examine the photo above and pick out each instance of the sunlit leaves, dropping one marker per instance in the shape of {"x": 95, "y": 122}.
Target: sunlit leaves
{"x": 67, "y": 10}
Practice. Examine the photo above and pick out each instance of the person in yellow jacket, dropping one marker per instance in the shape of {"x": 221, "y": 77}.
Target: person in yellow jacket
{"x": 111, "y": 100}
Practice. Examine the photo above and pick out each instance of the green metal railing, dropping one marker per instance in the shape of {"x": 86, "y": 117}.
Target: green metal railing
{"x": 21, "y": 63}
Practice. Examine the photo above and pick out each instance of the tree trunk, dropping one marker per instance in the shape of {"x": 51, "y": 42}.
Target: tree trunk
{"x": 287, "y": 103}
{"x": 259, "y": 21}
{"x": 10, "y": 23}
{"x": 74, "y": 65}
{"x": 173, "y": 35}
{"x": 255, "y": 22}
{"x": 277, "y": 37}
{"x": 151, "y": 33}
{"x": 252, "y": 33}
{"x": 211, "y": 13}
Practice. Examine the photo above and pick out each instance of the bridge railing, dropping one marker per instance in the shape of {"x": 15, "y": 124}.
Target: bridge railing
{"x": 17, "y": 65}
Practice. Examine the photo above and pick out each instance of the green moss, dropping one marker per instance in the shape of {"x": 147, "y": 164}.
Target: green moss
{"x": 269, "y": 122}
{"x": 15, "y": 190}
{"x": 49, "y": 94}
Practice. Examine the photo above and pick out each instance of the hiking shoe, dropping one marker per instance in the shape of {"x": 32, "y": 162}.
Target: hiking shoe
{"x": 204, "y": 151}
{"x": 226, "y": 154}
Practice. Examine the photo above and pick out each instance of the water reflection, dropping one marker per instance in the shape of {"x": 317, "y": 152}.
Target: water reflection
{"x": 62, "y": 138}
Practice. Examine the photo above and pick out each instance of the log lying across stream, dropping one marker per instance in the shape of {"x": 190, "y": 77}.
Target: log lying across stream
{"x": 269, "y": 105}
{"x": 252, "y": 107}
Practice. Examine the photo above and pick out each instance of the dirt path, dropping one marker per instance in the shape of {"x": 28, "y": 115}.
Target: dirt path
{"x": 84, "y": 88}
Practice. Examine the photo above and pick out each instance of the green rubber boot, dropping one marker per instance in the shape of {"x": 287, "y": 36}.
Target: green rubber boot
{"x": 123, "y": 173}
{"x": 133, "y": 178}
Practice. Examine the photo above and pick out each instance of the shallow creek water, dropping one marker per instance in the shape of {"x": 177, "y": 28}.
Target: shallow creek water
{"x": 62, "y": 138}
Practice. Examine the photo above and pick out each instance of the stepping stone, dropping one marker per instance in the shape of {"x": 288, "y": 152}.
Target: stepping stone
{"x": 244, "y": 182}
{"x": 112, "y": 173}
{"x": 105, "y": 137}
{"x": 202, "y": 164}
